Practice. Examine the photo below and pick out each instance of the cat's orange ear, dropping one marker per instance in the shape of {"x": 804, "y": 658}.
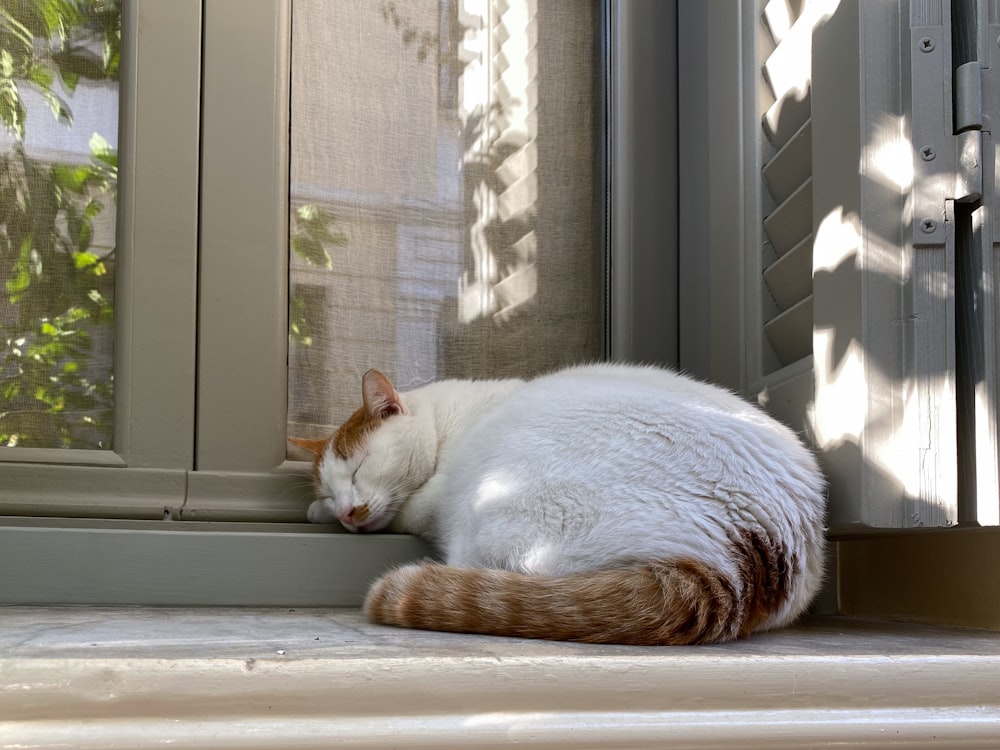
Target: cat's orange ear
{"x": 316, "y": 447}
{"x": 381, "y": 399}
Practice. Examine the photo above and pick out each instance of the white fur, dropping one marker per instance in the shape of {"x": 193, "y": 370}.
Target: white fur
{"x": 585, "y": 468}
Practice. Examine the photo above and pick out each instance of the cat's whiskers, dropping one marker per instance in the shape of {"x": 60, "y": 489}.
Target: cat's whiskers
{"x": 296, "y": 486}
{"x": 403, "y": 489}
{"x": 407, "y": 484}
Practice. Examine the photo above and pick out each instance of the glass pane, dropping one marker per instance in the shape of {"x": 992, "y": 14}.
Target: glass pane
{"x": 446, "y": 201}
{"x": 58, "y": 173}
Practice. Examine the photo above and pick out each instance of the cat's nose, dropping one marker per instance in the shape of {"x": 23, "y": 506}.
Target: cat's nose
{"x": 354, "y": 516}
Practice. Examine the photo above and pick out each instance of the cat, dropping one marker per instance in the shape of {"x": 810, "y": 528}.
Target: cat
{"x": 599, "y": 503}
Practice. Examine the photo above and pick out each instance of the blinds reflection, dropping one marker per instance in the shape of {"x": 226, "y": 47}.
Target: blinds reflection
{"x": 444, "y": 203}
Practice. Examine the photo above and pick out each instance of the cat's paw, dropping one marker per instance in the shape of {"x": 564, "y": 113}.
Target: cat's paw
{"x": 321, "y": 512}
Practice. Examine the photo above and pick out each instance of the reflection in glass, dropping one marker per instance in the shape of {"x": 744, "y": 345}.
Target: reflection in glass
{"x": 59, "y": 63}
{"x": 445, "y": 210}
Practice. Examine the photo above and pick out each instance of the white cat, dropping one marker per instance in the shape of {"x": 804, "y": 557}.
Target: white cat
{"x": 602, "y": 503}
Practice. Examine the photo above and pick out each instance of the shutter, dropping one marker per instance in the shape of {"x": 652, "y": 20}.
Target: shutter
{"x": 868, "y": 247}
{"x": 884, "y": 416}
{"x": 787, "y": 176}
{"x": 879, "y": 252}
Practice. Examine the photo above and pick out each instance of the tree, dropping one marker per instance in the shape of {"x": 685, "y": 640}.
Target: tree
{"x": 56, "y": 287}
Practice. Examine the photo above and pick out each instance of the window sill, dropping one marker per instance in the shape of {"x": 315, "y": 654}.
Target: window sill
{"x": 296, "y": 678}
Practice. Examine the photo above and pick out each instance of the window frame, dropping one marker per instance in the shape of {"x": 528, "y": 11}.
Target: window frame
{"x": 200, "y": 500}
{"x": 156, "y": 263}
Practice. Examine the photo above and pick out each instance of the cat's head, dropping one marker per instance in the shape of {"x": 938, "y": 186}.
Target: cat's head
{"x": 372, "y": 463}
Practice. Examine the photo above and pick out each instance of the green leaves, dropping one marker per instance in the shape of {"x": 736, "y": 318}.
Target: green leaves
{"x": 312, "y": 231}
{"x": 56, "y": 301}
{"x": 45, "y": 41}
{"x": 56, "y": 283}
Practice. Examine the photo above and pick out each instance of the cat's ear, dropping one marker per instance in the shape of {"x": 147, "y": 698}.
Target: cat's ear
{"x": 381, "y": 399}
{"x": 316, "y": 447}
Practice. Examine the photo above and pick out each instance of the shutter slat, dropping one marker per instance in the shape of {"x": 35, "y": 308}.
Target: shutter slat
{"x": 785, "y": 117}
{"x": 791, "y": 222}
{"x": 779, "y": 15}
{"x": 791, "y": 166}
{"x": 785, "y": 94}
{"x": 790, "y": 277}
{"x": 790, "y": 333}
{"x": 787, "y": 70}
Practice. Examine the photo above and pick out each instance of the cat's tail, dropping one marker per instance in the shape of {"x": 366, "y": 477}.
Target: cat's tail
{"x": 668, "y": 602}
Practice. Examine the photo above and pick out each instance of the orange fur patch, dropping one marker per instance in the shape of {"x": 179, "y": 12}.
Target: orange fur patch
{"x": 351, "y": 435}
{"x": 317, "y": 448}
{"x": 660, "y": 603}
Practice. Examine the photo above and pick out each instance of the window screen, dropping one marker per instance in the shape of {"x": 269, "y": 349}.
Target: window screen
{"x": 444, "y": 194}
{"x": 58, "y": 175}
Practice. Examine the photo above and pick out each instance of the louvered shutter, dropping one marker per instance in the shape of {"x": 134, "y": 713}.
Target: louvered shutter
{"x": 787, "y": 177}
{"x": 877, "y": 255}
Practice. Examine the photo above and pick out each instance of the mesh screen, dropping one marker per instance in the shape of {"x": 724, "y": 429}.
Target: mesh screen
{"x": 446, "y": 197}
{"x": 59, "y": 64}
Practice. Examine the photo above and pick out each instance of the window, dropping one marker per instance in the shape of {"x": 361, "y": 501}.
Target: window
{"x": 58, "y": 171}
{"x": 232, "y": 203}
{"x": 486, "y": 232}
{"x": 153, "y": 263}
{"x": 441, "y": 197}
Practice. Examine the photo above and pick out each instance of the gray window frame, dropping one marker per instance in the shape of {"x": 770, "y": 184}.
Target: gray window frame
{"x": 201, "y": 506}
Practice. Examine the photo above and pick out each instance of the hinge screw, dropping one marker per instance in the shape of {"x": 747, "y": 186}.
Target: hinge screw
{"x": 926, "y": 44}
{"x": 927, "y": 226}
{"x": 927, "y": 153}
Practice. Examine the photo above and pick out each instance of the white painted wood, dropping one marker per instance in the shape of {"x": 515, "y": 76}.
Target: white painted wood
{"x": 789, "y": 393}
{"x": 791, "y": 166}
{"x": 884, "y": 417}
{"x": 790, "y": 332}
{"x": 791, "y": 222}
{"x": 114, "y": 678}
{"x": 789, "y": 279}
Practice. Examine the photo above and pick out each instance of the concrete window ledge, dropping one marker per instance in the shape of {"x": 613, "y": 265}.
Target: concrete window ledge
{"x": 307, "y": 678}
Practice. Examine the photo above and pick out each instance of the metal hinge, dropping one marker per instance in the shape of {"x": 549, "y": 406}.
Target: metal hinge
{"x": 968, "y": 114}
{"x": 990, "y": 87}
{"x": 968, "y": 97}
{"x": 947, "y": 123}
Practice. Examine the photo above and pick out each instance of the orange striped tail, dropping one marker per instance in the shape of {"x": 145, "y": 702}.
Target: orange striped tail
{"x": 658, "y": 603}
